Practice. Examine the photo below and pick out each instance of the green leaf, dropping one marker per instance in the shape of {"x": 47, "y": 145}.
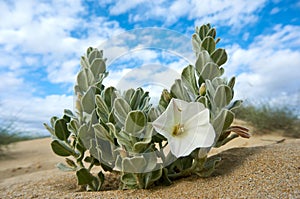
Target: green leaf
{"x": 203, "y": 100}
{"x": 212, "y": 32}
{"x": 202, "y": 60}
{"x": 98, "y": 67}
{"x": 69, "y": 113}
{"x": 203, "y": 31}
{"x": 178, "y": 91}
{"x": 210, "y": 71}
{"x": 151, "y": 177}
{"x": 73, "y": 126}
{"x": 61, "y": 148}
{"x": 222, "y": 121}
{"x": 209, "y": 44}
{"x": 88, "y": 100}
{"x": 135, "y": 100}
{"x": 61, "y": 130}
{"x": 84, "y": 177}
{"x": 109, "y": 97}
{"x": 219, "y": 56}
{"x": 235, "y": 105}
{"x": 101, "y": 105}
{"x": 129, "y": 179}
{"x": 102, "y": 133}
{"x": 209, "y": 167}
{"x": 85, "y": 79}
{"x": 135, "y": 164}
{"x": 128, "y": 94}
{"x": 64, "y": 167}
{"x": 223, "y": 96}
{"x": 50, "y": 129}
{"x": 94, "y": 54}
{"x": 135, "y": 122}
{"x": 121, "y": 110}
{"x": 196, "y": 43}
{"x": 140, "y": 146}
{"x": 189, "y": 79}
{"x": 231, "y": 82}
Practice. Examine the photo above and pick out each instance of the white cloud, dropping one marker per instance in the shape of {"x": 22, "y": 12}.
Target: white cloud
{"x": 123, "y": 6}
{"x": 222, "y": 13}
{"x": 46, "y": 38}
{"x": 269, "y": 68}
{"x": 29, "y": 114}
{"x": 275, "y": 11}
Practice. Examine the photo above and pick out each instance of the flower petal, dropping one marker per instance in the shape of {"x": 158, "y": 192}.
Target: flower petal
{"x": 165, "y": 122}
{"x": 192, "y": 110}
{"x": 202, "y": 136}
{"x": 200, "y": 118}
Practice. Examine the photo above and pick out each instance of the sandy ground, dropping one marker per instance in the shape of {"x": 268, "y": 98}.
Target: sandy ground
{"x": 259, "y": 167}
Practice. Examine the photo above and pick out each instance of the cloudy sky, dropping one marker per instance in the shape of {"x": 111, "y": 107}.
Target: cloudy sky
{"x": 41, "y": 43}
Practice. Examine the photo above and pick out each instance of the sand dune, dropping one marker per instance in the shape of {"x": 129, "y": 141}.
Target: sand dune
{"x": 259, "y": 167}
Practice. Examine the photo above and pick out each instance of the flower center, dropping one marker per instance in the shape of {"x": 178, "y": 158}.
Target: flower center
{"x": 178, "y": 129}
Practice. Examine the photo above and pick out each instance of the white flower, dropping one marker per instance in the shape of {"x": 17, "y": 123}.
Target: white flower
{"x": 186, "y": 127}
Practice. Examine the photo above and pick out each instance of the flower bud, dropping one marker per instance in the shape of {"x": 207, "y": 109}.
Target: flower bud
{"x": 202, "y": 89}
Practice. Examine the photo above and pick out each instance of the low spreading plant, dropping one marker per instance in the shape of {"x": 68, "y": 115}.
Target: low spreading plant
{"x": 122, "y": 132}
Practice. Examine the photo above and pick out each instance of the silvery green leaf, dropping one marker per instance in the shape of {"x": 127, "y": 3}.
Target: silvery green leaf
{"x": 212, "y": 32}
{"x": 61, "y": 130}
{"x": 53, "y": 120}
{"x": 98, "y": 67}
{"x": 140, "y": 146}
{"x": 135, "y": 100}
{"x": 222, "y": 121}
{"x": 203, "y": 31}
{"x": 219, "y": 56}
{"x": 217, "y": 81}
{"x": 84, "y": 177}
{"x": 226, "y": 140}
{"x": 64, "y": 167}
{"x": 223, "y": 96}
{"x": 109, "y": 97}
{"x": 135, "y": 122}
{"x": 101, "y": 105}
{"x": 153, "y": 114}
{"x": 178, "y": 91}
{"x": 189, "y": 79}
{"x": 196, "y": 43}
{"x": 129, "y": 179}
{"x": 152, "y": 176}
{"x": 209, "y": 44}
{"x": 203, "y": 100}
{"x": 123, "y": 139}
{"x": 136, "y": 164}
{"x": 203, "y": 58}
{"x": 50, "y": 129}
{"x": 84, "y": 62}
{"x": 128, "y": 94}
{"x": 210, "y": 71}
{"x": 94, "y": 54}
{"x": 235, "y": 105}
{"x": 101, "y": 132}
{"x": 121, "y": 109}
{"x": 69, "y": 113}
{"x": 85, "y": 79}
{"x": 73, "y": 126}
{"x": 88, "y": 100}
{"x": 84, "y": 134}
{"x": 231, "y": 82}
{"x": 61, "y": 149}
{"x": 209, "y": 167}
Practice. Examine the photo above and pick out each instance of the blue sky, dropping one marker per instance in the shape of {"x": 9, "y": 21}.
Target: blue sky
{"x": 41, "y": 43}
